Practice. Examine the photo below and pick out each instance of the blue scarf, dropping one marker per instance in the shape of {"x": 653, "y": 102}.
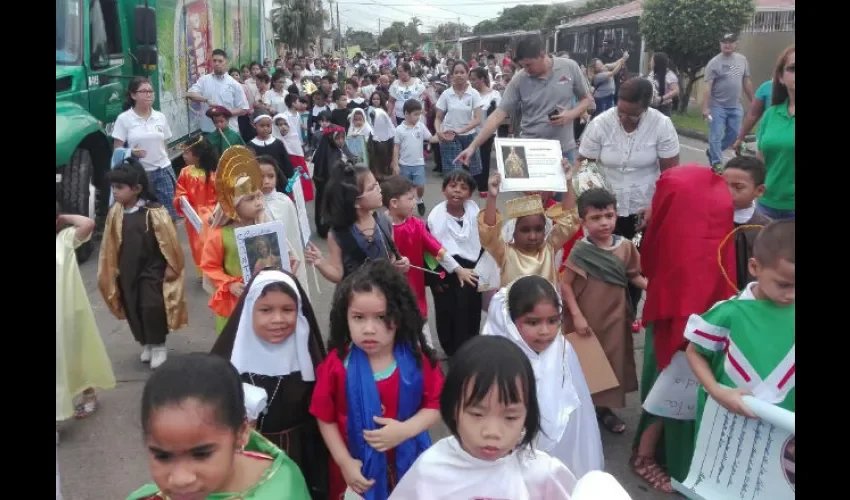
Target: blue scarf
{"x": 364, "y": 403}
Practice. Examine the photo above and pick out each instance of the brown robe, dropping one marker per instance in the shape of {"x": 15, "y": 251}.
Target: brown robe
{"x": 610, "y": 315}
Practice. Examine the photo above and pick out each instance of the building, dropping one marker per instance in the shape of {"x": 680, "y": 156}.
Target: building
{"x": 469, "y": 46}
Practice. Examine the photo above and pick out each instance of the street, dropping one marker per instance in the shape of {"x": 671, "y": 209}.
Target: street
{"x": 103, "y": 457}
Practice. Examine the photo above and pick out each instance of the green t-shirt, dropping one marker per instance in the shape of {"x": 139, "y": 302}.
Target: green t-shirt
{"x": 776, "y": 141}
{"x": 764, "y": 92}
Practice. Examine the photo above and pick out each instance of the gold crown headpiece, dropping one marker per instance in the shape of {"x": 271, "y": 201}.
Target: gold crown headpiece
{"x": 527, "y": 205}
{"x": 238, "y": 174}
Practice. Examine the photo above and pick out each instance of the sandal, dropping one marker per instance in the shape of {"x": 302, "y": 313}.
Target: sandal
{"x": 610, "y": 421}
{"x": 86, "y": 407}
{"x": 648, "y": 469}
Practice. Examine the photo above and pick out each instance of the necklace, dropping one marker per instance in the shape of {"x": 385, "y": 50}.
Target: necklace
{"x": 268, "y": 405}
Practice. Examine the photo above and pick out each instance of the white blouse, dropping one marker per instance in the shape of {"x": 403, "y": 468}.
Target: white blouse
{"x": 148, "y": 134}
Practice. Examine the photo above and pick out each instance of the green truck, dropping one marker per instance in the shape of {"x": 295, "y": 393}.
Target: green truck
{"x": 102, "y": 44}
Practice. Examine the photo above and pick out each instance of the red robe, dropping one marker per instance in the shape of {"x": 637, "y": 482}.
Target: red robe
{"x": 200, "y": 193}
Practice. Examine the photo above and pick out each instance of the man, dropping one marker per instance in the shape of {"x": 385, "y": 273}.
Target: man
{"x": 609, "y": 57}
{"x": 219, "y": 89}
{"x": 542, "y": 86}
{"x": 726, "y": 75}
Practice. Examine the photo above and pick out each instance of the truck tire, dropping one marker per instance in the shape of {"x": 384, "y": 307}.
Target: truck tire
{"x": 77, "y": 193}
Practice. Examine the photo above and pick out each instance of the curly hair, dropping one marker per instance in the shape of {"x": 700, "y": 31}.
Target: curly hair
{"x": 402, "y": 308}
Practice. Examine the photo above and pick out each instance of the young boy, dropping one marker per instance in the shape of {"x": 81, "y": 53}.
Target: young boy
{"x": 746, "y": 345}
{"x": 408, "y": 156}
{"x": 223, "y": 137}
{"x": 745, "y": 176}
{"x": 595, "y": 290}
{"x": 319, "y": 107}
{"x": 412, "y": 240}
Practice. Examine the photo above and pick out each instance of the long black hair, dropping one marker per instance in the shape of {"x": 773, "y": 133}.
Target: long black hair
{"x": 343, "y": 188}
{"x": 131, "y": 173}
{"x": 280, "y": 178}
{"x": 206, "y": 154}
{"x": 660, "y": 65}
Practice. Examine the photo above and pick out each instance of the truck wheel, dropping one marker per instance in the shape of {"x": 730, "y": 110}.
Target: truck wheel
{"x": 78, "y": 193}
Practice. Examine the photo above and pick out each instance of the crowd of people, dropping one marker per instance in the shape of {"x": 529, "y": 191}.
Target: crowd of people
{"x": 275, "y": 409}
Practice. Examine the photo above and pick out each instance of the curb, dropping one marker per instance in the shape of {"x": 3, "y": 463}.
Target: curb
{"x": 693, "y": 134}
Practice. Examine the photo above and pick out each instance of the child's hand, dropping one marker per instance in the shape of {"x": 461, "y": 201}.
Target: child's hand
{"x": 237, "y": 288}
{"x": 293, "y": 263}
{"x": 354, "y": 478}
{"x": 466, "y": 276}
{"x": 568, "y": 169}
{"x": 493, "y": 184}
{"x": 170, "y": 274}
{"x": 731, "y": 400}
{"x": 582, "y": 328}
{"x": 387, "y": 437}
{"x": 402, "y": 264}
{"x": 313, "y": 255}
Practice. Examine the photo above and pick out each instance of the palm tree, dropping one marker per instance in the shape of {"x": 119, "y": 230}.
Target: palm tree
{"x": 297, "y": 23}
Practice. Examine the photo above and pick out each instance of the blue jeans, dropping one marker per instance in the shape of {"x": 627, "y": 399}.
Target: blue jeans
{"x": 571, "y": 157}
{"x": 775, "y": 213}
{"x": 604, "y": 103}
{"x": 414, "y": 173}
{"x": 722, "y": 131}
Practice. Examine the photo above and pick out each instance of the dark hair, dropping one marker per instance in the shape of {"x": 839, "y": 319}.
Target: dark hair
{"x": 395, "y": 186}
{"x": 411, "y": 106}
{"x": 353, "y": 82}
{"x": 280, "y": 75}
{"x": 405, "y": 66}
{"x": 207, "y": 156}
{"x": 132, "y": 88}
{"x": 529, "y": 47}
{"x": 280, "y": 178}
{"x": 373, "y": 78}
{"x": 320, "y": 93}
{"x": 329, "y": 78}
{"x": 636, "y": 90}
{"x": 527, "y": 292}
{"x": 219, "y": 52}
{"x": 597, "y": 198}
{"x": 262, "y": 77}
{"x": 660, "y": 61}
{"x": 481, "y": 363}
{"x": 210, "y": 379}
{"x": 402, "y": 308}
{"x": 234, "y": 68}
{"x": 343, "y": 188}
{"x": 777, "y": 241}
{"x": 482, "y": 74}
{"x": 302, "y": 98}
{"x": 324, "y": 116}
{"x": 779, "y": 92}
{"x": 381, "y": 95}
{"x": 255, "y": 63}
{"x": 131, "y": 173}
{"x": 244, "y": 66}
{"x": 338, "y": 94}
{"x": 752, "y": 165}
{"x": 465, "y": 66}
{"x": 460, "y": 175}
{"x": 289, "y": 100}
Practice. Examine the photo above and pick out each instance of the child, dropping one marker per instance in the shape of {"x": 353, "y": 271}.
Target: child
{"x": 140, "y": 269}
{"x": 223, "y": 137}
{"x": 304, "y": 116}
{"x": 412, "y": 240}
{"x": 528, "y": 312}
{"x": 408, "y": 157}
{"x": 381, "y": 144}
{"x": 200, "y": 443}
{"x": 377, "y": 393}
{"x": 274, "y": 342}
{"x": 489, "y": 380}
{"x": 358, "y": 136}
{"x": 355, "y": 101}
{"x": 457, "y": 307}
{"x": 339, "y": 115}
{"x": 319, "y": 107}
{"x": 746, "y": 345}
{"x": 359, "y": 233}
{"x": 197, "y": 183}
{"x": 328, "y": 155}
{"x": 81, "y": 360}
{"x": 745, "y": 177}
{"x": 292, "y": 140}
{"x": 594, "y": 287}
{"x": 278, "y": 206}
{"x": 524, "y": 246}
{"x": 265, "y": 144}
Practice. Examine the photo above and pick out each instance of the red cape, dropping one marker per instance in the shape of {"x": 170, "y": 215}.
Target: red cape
{"x": 692, "y": 211}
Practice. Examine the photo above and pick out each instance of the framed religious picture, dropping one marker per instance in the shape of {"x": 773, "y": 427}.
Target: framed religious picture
{"x": 262, "y": 246}
{"x": 530, "y": 165}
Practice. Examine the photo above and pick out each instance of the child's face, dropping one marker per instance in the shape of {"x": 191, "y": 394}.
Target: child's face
{"x": 367, "y": 322}
{"x": 376, "y": 101}
{"x": 262, "y": 86}
{"x": 456, "y": 193}
{"x": 126, "y": 195}
{"x": 404, "y": 205}
{"x": 264, "y": 128}
{"x": 283, "y": 127}
{"x": 490, "y": 429}
{"x": 357, "y": 120}
{"x": 412, "y": 118}
{"x": 350, "y": 90}
{"x": 342, "y": 102}
{"x": 324, "y": 123}
{"x": 370, "y": 198}
{"x": 599, "y": 224}
{"x": 221, "y": 122}
{"x": 300, "y": 106}
{"x": 189, "y": 453}
{"x": 339, "y": 139}
{"x": 530, "y": 232}
{"x": 775, "y": 283}
{"x": 189, "y": 158}
{"x": 250, "y": 207}
{"x": 318, "y": 100}
{"x": 269, "y": 178}
{"x": 742, "y": 188}
{"x": 275, "y": 316}
{"x": 539, "y": 327}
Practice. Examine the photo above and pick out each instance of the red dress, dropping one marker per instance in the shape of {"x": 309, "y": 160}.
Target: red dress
{"x": 200, "y": 193}
{"x": 329, "y": 403}
{"x": 412, "y": 240}
{"x": 306, "y": 184}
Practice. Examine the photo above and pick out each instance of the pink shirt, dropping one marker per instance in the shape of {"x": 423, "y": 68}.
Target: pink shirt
{"x": 412, "y": 240}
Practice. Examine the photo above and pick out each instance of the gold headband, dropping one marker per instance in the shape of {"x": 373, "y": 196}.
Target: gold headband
{"x": 527, "y": 205}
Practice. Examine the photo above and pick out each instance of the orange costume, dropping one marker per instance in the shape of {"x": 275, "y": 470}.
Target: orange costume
{"x": 200, "y": 193}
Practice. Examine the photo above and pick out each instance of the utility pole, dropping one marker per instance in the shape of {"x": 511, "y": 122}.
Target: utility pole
{"x": 338, "y": 26}
{"x": 331, "y": 12}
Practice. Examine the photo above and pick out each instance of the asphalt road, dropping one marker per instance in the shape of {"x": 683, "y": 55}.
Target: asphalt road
{"x": 103, "y": 458}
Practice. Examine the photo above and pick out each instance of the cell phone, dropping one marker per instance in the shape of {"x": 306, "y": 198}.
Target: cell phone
{"x": 555, "y": 112}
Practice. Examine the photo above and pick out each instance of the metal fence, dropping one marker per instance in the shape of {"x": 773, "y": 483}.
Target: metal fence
{"x": 772, "y": 22}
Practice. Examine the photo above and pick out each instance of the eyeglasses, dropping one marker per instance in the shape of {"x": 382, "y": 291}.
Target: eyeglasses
{"x": 146, "y": 91}
{"x": 630, "y": 118}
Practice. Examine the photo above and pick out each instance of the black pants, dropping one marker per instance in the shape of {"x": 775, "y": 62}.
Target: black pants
{"x": 457, "y": 310}
{"x": 625, "y": 227}
{"x": 246, "y": 129}
{"x": 438, "y": 158}
{"x": 486, "y": 151}
{"x": 321, "y": 228}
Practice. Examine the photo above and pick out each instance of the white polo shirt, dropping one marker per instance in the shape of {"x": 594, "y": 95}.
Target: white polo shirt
{"x": 459, "y": 109}
{"x": 222, "y": 91}
{"x": 148, "y": 134}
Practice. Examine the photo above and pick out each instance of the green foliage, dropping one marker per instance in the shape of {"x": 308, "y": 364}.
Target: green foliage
{"x": 402, "y": 35}
{"x": 297, "y": 23}
{"x": 451, "y": 31}
{"x": 540, "y": 16}
{"x": 364, "y": 39}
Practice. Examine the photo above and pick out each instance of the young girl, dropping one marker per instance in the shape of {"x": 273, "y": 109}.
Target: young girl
{"x": 525, "y": 245}
{"x": 528, "y": 312}
{"x": 197, "y": 183}
{"x": 199, "y": 442}
{"x": 358, "y": 136}
{"x": 267, "y": 145}
{"x": 292, "y": 141}
{"x": 377, "y": 393}
{"x": 328, "y": 155}
{"x": 359, "y": 232}
{"x": 274, "y": 342}
{"x": 490, "y": 405}
{"x": 140, "y": 270}
{"x": 381, "y": 143}
{"x": 81, "y": 360}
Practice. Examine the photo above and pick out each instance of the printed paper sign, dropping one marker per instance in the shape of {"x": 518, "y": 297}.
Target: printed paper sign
{"x": 674, "y": 394}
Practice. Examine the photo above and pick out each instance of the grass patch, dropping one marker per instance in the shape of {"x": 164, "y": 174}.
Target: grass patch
{"x": 691, "y": 120}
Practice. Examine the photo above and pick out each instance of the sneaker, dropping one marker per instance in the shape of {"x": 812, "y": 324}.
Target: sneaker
{"x": 718, "y": 168}
{"x": 421, "y": 208}
{"x": 158, "y": 356}
{"x": 145, "y": 357}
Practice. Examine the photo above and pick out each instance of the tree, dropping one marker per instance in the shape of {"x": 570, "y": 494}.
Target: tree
{"x": 400, "y": 34}
{"x": 297, "y": 23}
{"x": 451, "y": 31}
{"x": 364, "y": 39}
{"x": 688, "y": 32}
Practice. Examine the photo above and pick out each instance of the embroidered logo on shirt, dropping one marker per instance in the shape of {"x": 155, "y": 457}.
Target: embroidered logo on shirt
{"x": 564, "y": 79}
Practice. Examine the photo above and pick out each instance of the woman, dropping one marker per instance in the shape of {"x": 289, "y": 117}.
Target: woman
{"x": 404, "y": 88}
{"x": 776, "y": 142}
{"x": 490, "y": 99}
{"x": 145, "y": 131}
{"x": 665, "y": 83}
{"x": 602, "y": 80}
{"x": 458, "y": 117}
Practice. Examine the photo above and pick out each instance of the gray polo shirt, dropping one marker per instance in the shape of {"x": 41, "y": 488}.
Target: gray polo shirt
{"x": 727, "y": 73}
{"x": 536, "y": 97}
